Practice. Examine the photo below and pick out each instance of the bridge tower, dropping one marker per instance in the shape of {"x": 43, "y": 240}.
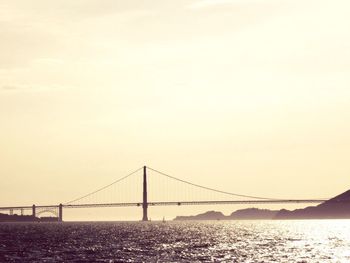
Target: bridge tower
{"x": 144, "y": 203}
{"x": 33, "y": 211}
{"x": 60, "y": 213}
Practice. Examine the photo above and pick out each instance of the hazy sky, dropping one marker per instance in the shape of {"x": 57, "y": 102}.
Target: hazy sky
{"x": 248, "y": 96}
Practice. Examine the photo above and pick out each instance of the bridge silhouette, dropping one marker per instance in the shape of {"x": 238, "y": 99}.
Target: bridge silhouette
{"x": 198, "y": 195}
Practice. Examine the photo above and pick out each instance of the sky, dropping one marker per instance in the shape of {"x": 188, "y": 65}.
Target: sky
{"x": 247, "y": 96}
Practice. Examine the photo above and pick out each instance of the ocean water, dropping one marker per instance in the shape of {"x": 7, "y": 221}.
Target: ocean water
{"x": 208, "y": 241}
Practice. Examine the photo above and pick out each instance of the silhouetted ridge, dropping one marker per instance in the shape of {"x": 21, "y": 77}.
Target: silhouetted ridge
{"x": 253, "y": 213}
{"x": 210, "y": 215}
{"x": 243, "y": 214}
{"x": 340, "y": 198}
{"x": 25, "y": 218}
{"x": 17, "y": 218}
{"x": 337, "y": 207}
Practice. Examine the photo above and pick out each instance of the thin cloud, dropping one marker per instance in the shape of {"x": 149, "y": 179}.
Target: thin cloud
{"x": 210, "y": 3}
{"x": 9, "y": 87}
{"x": 20, "y": 87}
{"x": 49, "y": 61}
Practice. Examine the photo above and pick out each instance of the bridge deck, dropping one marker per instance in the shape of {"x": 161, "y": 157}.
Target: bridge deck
{"x": 282, "y": 201}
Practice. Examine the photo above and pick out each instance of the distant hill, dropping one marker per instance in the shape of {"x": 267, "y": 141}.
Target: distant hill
{"x": 25, "y": 218}
{"x": 253, "y": 213}
{"x": 249, "y": 213}
{"x": 335, "y": 208}
{"x": 210, "y": 215}
{"x": 17, "y": 218}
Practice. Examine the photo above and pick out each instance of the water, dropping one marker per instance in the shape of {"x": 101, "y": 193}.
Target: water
{"x": 220, "y": 241}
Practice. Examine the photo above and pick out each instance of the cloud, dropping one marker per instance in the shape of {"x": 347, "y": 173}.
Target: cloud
{"x": 207, "y": 3}
{"x": 22, "y": 87}
{"x": 210, "y": 3}
{"x": 64, "y": 30}
{"x": 9, "y": 87}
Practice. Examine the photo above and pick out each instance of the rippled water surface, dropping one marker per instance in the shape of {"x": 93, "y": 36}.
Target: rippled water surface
{"x": 226, "y": 241}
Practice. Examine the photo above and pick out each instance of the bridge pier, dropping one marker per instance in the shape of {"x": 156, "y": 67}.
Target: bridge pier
{"x": 60, "y": 213}
{"x": 144, "y": 203}
{"x": 33, "y": 211}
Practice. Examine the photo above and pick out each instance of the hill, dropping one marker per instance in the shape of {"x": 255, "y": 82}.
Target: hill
{"x": 335, "y": 208}
{"x": 25, "y": 218}
{"x": 252, "y": 214}
{"x": 210, "y": 215}
{"x": 17, "y": 218}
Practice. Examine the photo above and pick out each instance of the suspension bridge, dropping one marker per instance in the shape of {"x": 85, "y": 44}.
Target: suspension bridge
{"x": 144, "y": 191}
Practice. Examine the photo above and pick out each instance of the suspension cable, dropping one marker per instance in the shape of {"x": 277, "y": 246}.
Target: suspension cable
{"x": 102, "y": 188}
{"x": 210, "y": 189}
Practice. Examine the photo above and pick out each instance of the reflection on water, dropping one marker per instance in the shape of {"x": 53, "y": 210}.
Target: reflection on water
{"x": 242, "y": 241}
